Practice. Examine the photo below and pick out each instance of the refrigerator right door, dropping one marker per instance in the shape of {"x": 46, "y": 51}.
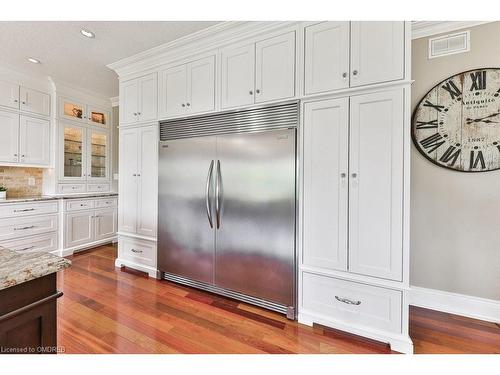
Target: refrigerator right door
{"x": 255, "y": 240}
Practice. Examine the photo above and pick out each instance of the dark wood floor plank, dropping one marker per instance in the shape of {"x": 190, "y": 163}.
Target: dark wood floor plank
{"x": 109, "y": 310}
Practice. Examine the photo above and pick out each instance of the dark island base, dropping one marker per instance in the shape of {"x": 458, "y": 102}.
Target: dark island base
{"x": 28, "y": 317}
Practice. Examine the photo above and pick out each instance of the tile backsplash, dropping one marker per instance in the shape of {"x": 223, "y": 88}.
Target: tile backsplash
{"x": 16, "y": 180}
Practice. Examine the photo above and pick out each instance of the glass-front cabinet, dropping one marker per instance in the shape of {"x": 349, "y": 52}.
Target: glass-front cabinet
{"x": 84, "y": 153}
{"x": 85, "y": 113}
{"x": 98, "y": 116}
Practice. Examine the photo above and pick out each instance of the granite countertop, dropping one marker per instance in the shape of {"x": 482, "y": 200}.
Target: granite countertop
{"x": 55, "y": 197}
{"x": 17, "y": 268}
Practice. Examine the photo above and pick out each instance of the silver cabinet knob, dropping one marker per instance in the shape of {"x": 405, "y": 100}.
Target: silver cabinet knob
{"x": 139, "y": 113}
{"x": 257, "y": 91}
{"x": 354, "y": 72}
{"x": 15, "y": 100}
{"x": 183, "y": 105}
{"x": 250, "y": 92}
{"x": 24, "y": 102}
{"x": 344, "y": 75}
{"x": 135, "y": 175}
{"x": 138, "y": 175}
{"x": 354, "y": 175}
{"x": 135, "y": 113}
{"x": 343, "y": 175}
{"x": 188, "y": 104}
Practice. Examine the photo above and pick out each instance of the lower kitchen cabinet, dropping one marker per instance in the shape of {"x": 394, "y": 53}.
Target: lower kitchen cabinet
{"x": 105, "y": 223}
{"x": 138, "y": 254}
{"x": 79, "y": 228}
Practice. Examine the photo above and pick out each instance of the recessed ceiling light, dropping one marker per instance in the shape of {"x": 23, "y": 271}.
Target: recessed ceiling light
{"x": 87, "y": 33}
{"x": 33, "y": 60}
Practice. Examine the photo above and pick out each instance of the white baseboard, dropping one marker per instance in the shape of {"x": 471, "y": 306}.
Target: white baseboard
{"x": 454, "y": 303}
{"x": 72, "y": 250}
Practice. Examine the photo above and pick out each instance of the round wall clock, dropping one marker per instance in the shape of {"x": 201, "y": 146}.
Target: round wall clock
{"x": 457, "y": 123}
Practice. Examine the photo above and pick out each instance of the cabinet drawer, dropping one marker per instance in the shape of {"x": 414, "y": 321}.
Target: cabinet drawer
{"x": 352, "y": 303}
{"x": 45, "y": 243}
{"x": 97, "y": 187}
{"x": 28, "y": 209}
{"x": 77, "y": 204}
{"x": 71, "y": 188}
{"x": 136, "y": 251}
{"x": 27, "y": 226}
{"x": 104, "y": 203}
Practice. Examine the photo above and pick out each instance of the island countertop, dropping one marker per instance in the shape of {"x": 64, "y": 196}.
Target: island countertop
{"x": 17, "y": 268}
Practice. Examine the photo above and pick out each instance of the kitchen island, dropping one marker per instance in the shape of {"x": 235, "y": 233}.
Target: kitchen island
{"x": 28, "y": 294}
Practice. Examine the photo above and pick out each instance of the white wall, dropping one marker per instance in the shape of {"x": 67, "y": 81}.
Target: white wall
{"x": 455, "y": 217}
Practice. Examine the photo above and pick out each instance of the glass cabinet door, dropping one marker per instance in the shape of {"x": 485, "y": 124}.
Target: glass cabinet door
{"x": 74, "y": 146}
{"x": 73, "y": 110}
{"x": 98, "y": 150}
{"x": 98, "y": 117}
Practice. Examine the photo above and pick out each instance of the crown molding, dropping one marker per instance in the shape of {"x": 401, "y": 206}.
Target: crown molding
{"x": 422, "y": 29}
{"x": 197, "y": 43}
{"x": 88, "y": 96}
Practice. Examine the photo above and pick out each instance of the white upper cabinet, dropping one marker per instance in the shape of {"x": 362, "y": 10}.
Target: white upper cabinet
{"x": 9, "y": 95}
{"x": 34, "y": 101}
{"x": 376, "y": 184}
{"x": 138, "y": 99}
{"x": 147, "y": 108}
{"x": 326, "y": 57}
{"x": 9, "y": 140}
{"x": 34, "y": 141}
{"x": 188, "y": 88}
{"x": 326, "y": 140}
{"x": 275, "y": 68}
{"x": 75, "y": 110}
{"x": 238, "y": 76}
{"x": 201, "y": 85}
{"x": 377, "y": 52}
{"x": 173, "y": 91}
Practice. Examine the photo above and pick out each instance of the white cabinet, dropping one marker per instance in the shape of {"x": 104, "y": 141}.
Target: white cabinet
{"x": 339, "y": 55}
{"x": 29, "y": 100}
{"x": 138, "y": 181}
{"x": 188, "y": 89}
{"x": 137, "y": 253}
{"x": 9, "y": 141}
{"x": 377, "y": 52}
{"x": 326, "y": 57}
{"x": 353, "y": 184}
{"x": 259, "y": 72}
{"x": 275, "y": 68}
{"x": 9, "y": 95}
{"x": 138, "y": 99}
{"x": 376, "y": 184}
{"x": 34, "y": 141}
{"x": 79, "y": 228}
{"x": 34, "y": 101}
{"x": 326, "y": 142}
{"x": 75, "y": 110}
{"x": 238, "y": 76}
{"x": 105, "y": 224}
{"x": 25, "y": 140}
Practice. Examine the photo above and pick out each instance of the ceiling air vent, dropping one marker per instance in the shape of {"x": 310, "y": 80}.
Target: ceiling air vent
{"x": 449, "y": 44}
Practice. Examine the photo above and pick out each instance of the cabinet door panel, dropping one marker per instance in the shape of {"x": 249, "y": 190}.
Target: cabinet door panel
{"x": 238, "y": 76}
{"x": 275, "y": 68}
{"x": 377, "y": 52}
{"x": 9, "y": 141}
{"x": 72, "y": 153}
{"x": 173, "y": 91}
{"x": 201, "y": 85}
{"x": 325, "y": 183}
{"x": 127, "y": 211}
{"x": 34, "y": 141}
{"x": 34, "y": 101}
{"x": 9, "y": 94}
{"x": 148, "y": 97}
{"x": 98, "y": 155}
{"x": 105, "y": 224}
{"x": 326, "y": 57}
{"x": 376, "y": 184}
{"x": 98, "y": 116}
{"x": 129, "y": 101}
{"x": 79, "y": 228}
{"x": 72, "y": 110}
{"x": 147, "y": 182}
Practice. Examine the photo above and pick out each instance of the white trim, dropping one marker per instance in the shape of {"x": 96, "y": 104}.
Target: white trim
{"x": 71, "y": 250}
{"x": 454, "y": 303}
{"x": 115, "y": 101}
{"x": 151, "y": 271}
{"x": 421, "y": 29}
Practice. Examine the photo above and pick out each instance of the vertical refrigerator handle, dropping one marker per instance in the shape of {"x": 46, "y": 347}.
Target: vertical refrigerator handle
{"x": 207, "y": 193}
{"x": 217, "y": 194}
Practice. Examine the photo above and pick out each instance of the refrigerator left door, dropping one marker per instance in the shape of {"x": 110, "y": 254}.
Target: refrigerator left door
{"x": 186, "y": 241}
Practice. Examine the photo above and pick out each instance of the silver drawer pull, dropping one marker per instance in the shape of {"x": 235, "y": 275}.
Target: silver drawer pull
{"x": 25, "y": 210}
{"x": 27, "y": 248}
{"x": 347, "y": 301}
{"x": 136, "y": 251}
{"x": 24, "y": 228}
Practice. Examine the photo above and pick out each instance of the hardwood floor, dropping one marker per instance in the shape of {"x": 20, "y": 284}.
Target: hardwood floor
{"x": 108, "y": 310}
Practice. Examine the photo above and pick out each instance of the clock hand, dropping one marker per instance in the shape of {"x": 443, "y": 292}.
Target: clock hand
{"x": 482, "y": 118}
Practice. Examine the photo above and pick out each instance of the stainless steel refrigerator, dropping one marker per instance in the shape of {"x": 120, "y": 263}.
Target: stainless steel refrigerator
{"x": 227, "y": 204}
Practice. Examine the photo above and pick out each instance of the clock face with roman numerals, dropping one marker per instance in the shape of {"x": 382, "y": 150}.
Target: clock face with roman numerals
{"x": 457, "y": 124}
